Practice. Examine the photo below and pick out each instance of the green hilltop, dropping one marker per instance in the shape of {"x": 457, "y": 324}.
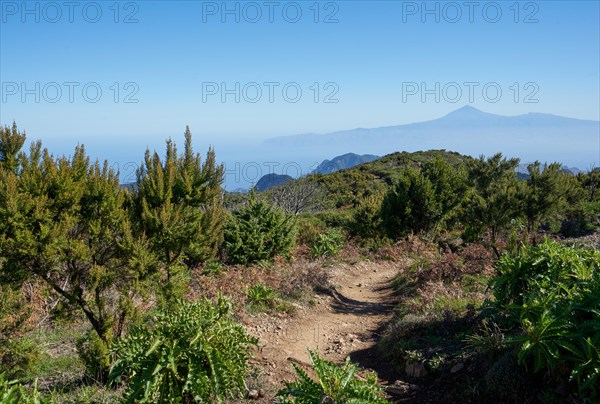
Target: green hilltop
{"x": 347, "y": 187}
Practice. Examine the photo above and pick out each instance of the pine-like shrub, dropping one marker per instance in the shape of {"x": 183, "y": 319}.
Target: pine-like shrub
{"x": 583, "y": 205}
{"x": 95, "y": 356}
{"x": 11, "y": 141}
{"x": 64, "y": 220}
{"x": 335, "y": 385}
{"x": 194, "y": 352}
{"x": 410, "y": 206}
{"x": 423, "y": 201}
{"x": 258, "y": 232}
{"x": 495, "y": 199}
{"x": 178, "y": 207}
{"x": 366, "y": 220}
{"x": 309, "y": 228}
{"x": 17, "y": 354}
{"x": 545, "y": 196}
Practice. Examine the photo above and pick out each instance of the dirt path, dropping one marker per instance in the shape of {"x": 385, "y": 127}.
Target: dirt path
{"x": 347, "y": 323}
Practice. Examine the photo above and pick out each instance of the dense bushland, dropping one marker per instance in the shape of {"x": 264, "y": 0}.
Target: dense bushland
{"x": 64, "y": 221}
{"x": 124, "y": 260}
{"x": 104, "y": 249}
{"x": 423, "y": 201}
{"x": 483, "y": 198}
{"x": 16, "y": 353}
{"x": 347, "y": 187}
{"x": 177, "y": 208}
{"x": 258, "y": 232}
{"x": 192, "y": 352}
{"x": 504, "y": 330}
{"x": 551, "y": 292}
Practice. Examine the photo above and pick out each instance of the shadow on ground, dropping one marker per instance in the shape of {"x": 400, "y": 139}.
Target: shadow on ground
{"x": 371, "y": 358}
{"x": 343, "y": 304}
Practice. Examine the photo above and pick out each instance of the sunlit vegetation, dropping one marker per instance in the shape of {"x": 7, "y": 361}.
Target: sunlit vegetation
{"x": 112, "y": 293}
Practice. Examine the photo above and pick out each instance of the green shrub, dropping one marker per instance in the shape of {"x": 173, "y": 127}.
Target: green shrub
{"x": 95, "y": 356}
{"x": 366, "y": 220}
{"x": 258, "y": 232}
{"x": 193, "y": 352}
{"x": 309, "y": 228}
{"x": 328, "y": 244}
{"x": 213, "y": 268}
{"x": 11, "y": 141}
{"x": 262, "y": 298}
{"x": 17, "y": 354}
{"x": 472, "y": 234}
{"x": 65, "y": 221}
{"x": 410, "y": 206}
{"x": 545, "y": 196}
{"x": 582, "y": 217}
{"x": 335, "y": 384}
{"x": 423, "y": 201}
{"x": 552, "y": 292}
{"x": 178, "y": 207}
{"x": 495, "y": 199}
{"x": 11, "y": 392}
{"x": 340, "y": 218}
{"x": 260, "y": 294}
{"x": 583, "y": 204}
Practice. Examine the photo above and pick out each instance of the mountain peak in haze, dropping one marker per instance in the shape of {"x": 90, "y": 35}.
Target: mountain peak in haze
{"x": 467, "y": 130}
{"x": 466, "y": 110}
{"x": 468, "y": 114}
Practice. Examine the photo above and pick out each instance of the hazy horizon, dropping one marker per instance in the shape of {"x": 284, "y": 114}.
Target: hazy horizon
{"x": 122, "y": 76}
{"x": 248, "y": 160}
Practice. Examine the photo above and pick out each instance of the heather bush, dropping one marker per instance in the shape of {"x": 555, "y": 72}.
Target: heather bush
{"x": 258, "y": 232}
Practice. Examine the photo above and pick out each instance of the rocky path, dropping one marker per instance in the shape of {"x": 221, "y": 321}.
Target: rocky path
{"x": 346, "y": 323}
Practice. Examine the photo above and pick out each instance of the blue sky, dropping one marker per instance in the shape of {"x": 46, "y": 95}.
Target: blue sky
{"x": 364, "y": 54}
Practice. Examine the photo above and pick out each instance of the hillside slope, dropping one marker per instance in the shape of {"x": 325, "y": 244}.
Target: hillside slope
{"x": 346, "y": 187}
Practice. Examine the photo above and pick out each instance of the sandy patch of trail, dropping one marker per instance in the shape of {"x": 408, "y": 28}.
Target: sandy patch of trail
{"x": 346, "y": 323}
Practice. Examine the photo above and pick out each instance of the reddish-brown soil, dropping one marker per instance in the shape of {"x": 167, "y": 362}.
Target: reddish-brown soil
{"x": 347, "y": 322}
